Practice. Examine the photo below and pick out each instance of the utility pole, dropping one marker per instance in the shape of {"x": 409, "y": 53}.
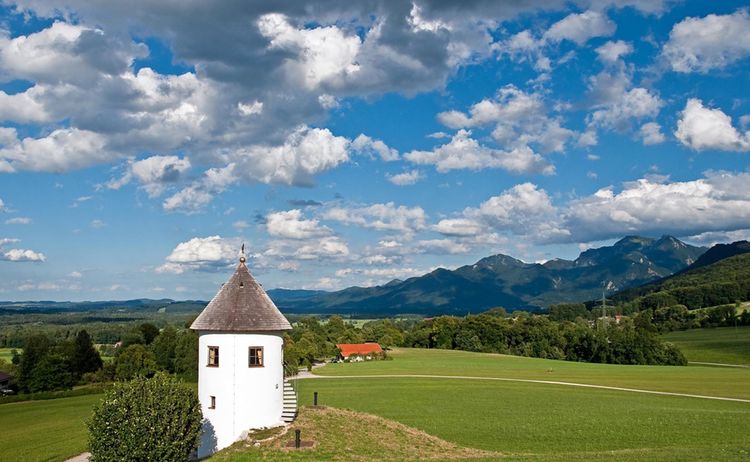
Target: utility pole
{"x": 604, "y": 303}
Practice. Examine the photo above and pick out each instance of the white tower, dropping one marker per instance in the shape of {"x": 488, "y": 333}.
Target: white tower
{"x": 240, "y": 361}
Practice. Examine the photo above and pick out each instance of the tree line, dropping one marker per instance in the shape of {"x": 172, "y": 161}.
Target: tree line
{"x": 661, "y": 317}
{"x": 722, "y": 283}
{"x": 494, "y": 331}
{"x": 49, "y": 364}
{"x": 567, "y": 333}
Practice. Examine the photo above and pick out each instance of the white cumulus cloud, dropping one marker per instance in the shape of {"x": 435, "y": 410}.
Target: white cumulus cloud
{"x": 465, "y": 153}
{"x": 405, "y": 178}
{"x": 520, "y": 119}
{"x": 383, "y": 217}
{"x": 612, "y": 51}
{"x": 365, "y": 144}
{"x": 202, "y": 254}
{"x": 718, "y": 202}
{"x": 712, "y": 42}
{"x": 702, "y": 128}
{"x": 290, "y": 224}
{"x": 581, "y": 27}
{"x": 153, "y": 173}
{"x": 651, "y": 133}
{"x": 19, "y": 255}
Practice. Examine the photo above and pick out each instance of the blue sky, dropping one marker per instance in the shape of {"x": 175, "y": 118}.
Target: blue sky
{"x": 141, "y": 143}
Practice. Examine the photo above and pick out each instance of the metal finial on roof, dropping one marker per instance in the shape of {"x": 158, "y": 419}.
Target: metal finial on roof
{"x": 242, "y": 253}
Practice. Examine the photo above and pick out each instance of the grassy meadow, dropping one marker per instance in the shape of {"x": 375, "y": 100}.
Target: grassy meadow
{"x": 50, "y": 430}
{"x": 729, "y": 345}
{"x": 537, "y": 421}
{"x": 464, "y": 419}
{"x": 726, "y": 382}
{"x": 6, "y": 355}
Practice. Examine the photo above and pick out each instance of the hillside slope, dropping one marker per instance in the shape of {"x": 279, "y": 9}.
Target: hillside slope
{"x": 719, "y": 252}
{"x": 722, "y": 282}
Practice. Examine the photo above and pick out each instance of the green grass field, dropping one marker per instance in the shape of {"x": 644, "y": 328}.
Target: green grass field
{"x": 730, "y": 345}
{"x": 550, "y": 422}
{"x": 727, "y": 382}
{"x": 44, "y": 430}
{"x": 532, "y": 420}
{"x": 523, "y": 421}
{"x": 5, "y": 353}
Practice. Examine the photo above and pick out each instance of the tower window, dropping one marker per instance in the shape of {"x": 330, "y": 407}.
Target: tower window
{"x": 255, "y": 357}
{"x": 213, "y": 356}
{"x": 213, "y": 403}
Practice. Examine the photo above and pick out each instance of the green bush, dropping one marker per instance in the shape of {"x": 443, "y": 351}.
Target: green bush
{"x": 157, "y": 419}
{"x": 135, "y": 361}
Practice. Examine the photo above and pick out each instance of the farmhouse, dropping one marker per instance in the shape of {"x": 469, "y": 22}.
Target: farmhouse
{"x": 362, "y": 350}
{"x": 241, "y": 382}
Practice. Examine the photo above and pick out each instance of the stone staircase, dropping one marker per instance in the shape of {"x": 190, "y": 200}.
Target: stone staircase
{"x": 289, "y": 412}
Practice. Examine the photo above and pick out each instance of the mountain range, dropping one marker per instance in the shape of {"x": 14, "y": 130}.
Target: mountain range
{"x": 501, "y": 280}
{"x": 497, "y": 280}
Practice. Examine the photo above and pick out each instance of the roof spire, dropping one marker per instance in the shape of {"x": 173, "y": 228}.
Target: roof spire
{"x": 242, "y": 253}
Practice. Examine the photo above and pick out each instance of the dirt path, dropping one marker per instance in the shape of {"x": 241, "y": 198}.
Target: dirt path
{"x": 701, "y": 363}
{"x": 80, "y": 458}
{"x": 544, "y": 382}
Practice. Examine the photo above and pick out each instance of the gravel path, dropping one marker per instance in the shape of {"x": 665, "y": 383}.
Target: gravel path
{"x": 701, "y": 363}
{"x": 80, "y": 458}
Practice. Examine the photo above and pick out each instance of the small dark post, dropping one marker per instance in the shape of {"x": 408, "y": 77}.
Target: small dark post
{"x": 315, "y": 399}
{"x": 297, "y": 441}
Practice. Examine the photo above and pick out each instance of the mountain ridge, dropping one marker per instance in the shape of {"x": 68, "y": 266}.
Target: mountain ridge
{"x": 494, "y": 280}
{"x": 502, "y": 280}
{"x": 710, "y": 268}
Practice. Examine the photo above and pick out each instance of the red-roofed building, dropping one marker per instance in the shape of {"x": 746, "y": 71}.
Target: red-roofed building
{"x": 365, "y": 350}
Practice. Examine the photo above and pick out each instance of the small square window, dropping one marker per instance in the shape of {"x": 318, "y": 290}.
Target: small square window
{"x": 213, "y": 356}
{"x": 213, "y": 403}
{"x": 255, "y": 357}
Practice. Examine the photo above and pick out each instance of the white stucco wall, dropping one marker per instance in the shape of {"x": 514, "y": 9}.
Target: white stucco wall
{"x": 246, "y": 397}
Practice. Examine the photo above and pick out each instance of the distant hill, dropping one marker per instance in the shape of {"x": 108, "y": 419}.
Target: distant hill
{"x": 277, "y": 295}
{"x": 709, "y": 281}
{"x": 141, "y": 304}
{"x": 720, "y": 252}
{"x": 501, "y": 280}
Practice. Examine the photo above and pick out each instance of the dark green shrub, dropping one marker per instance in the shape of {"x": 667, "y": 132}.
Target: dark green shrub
{"x": 85, "y": 358}
{"x": 157, "y": 419}
{"x": 135, "y": 361}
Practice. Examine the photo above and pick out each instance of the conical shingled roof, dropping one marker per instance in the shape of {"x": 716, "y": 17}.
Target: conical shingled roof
{"x": 241, "y": 305}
